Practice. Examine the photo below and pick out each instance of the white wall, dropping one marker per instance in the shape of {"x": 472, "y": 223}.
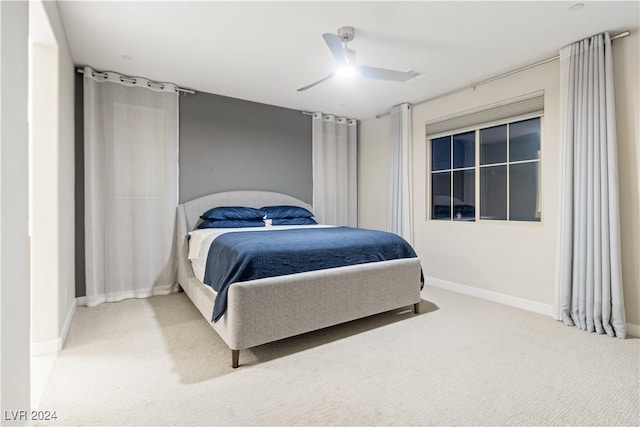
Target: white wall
{"x": 373, "y": 173}
{"x": 14, "y": 246}
{"x": 53, "y": 245}
{"x": 66, "y": 175}
{"x": 512, "y": 258}
{"x": 515, "y": 260}
{"x": 44, "y": 197}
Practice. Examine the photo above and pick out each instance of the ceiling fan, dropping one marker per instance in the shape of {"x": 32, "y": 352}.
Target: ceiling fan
{"x": 346, "y": 61}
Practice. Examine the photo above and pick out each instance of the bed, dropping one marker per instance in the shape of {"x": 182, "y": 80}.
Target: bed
{"x": 268, "y": 309}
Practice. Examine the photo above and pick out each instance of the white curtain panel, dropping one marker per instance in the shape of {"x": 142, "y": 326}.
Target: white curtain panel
{"x": 400, "y": 215}
{"x": 590, "y": 280}
{"x": 131, "y": 186}
{"x": 335, "y": 169}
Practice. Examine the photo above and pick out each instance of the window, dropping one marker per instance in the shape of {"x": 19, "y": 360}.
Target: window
{"x": 453, "y": 187}
{"x": 509, "y": 171}
{"x": 506, "y": 166}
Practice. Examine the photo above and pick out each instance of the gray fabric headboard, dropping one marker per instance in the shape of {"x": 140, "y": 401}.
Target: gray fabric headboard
{"x": 188, "y": 213}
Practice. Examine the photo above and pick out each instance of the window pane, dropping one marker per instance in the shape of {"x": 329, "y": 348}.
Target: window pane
{"x": 441, "y": 153}
{"x": 524, "y": 140}
{"x": 441, "y": 195}
{"x": 493, "y": 192}
{"x": 493, "y": 145}
{"x": 464, "y": 150}
{"x": 523, "y": 192}
{"x": 464, "y": 195}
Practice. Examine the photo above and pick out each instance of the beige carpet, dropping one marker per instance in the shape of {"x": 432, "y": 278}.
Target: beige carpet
{"x": 462, "y": 361}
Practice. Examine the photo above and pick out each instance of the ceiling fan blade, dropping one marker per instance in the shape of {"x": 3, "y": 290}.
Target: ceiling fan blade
{"x": 335, "y": 46}
{"x": 384, "y": 74}
{"x": 315, "y": 83}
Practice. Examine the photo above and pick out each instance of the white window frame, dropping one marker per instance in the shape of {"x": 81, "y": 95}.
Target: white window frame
{"x": 477, "y": 167}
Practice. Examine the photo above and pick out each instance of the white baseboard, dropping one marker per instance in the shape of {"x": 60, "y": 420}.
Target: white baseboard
{"x": 525, "y": 304}
{"x": 633, "y": 330}
{"x": 43, "y": 355}
{"x": 45, "y": 347}
{"x": 67, "y": 324}
{"x": 55, "y": 345}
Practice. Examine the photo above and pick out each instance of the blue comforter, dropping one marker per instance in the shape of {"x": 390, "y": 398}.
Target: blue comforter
{"x": 242, "y": 256}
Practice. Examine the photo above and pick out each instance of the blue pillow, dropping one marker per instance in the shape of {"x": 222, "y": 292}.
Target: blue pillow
{"x": 230, "y": 223}
{"x": 233, "y": 212}
{"x": 293, "y": 221}
{"x": 278, "y": 212}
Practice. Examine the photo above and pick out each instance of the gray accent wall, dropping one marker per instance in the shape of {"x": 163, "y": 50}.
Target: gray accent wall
{"x": 230, "y": 144}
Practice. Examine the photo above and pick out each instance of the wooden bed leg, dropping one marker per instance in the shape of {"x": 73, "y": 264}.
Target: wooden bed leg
{"x": 235, "y": 356}
{"x": 416, "y": 308}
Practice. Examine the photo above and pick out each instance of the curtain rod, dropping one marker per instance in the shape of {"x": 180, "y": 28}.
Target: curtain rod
{"x": 309, "y": 113}
{"x": 133, "y": 80}
{"x": 508, "y": 73}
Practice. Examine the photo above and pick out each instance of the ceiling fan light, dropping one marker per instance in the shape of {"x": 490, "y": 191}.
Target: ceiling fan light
{"x": 346, "y": 71}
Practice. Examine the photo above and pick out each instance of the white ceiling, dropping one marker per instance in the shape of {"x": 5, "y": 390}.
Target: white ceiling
{"x": 263, "y": 51}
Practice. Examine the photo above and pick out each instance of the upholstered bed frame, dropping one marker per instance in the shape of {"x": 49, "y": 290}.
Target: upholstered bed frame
{"x": 266, "y": 310}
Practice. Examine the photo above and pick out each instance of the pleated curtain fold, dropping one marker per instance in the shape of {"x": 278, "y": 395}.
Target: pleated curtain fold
{"x": 590, "y": 275}
{"x": 335, "y": 169}
{"x": 400, "y": 215}
{"x": 131, "y": 186}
